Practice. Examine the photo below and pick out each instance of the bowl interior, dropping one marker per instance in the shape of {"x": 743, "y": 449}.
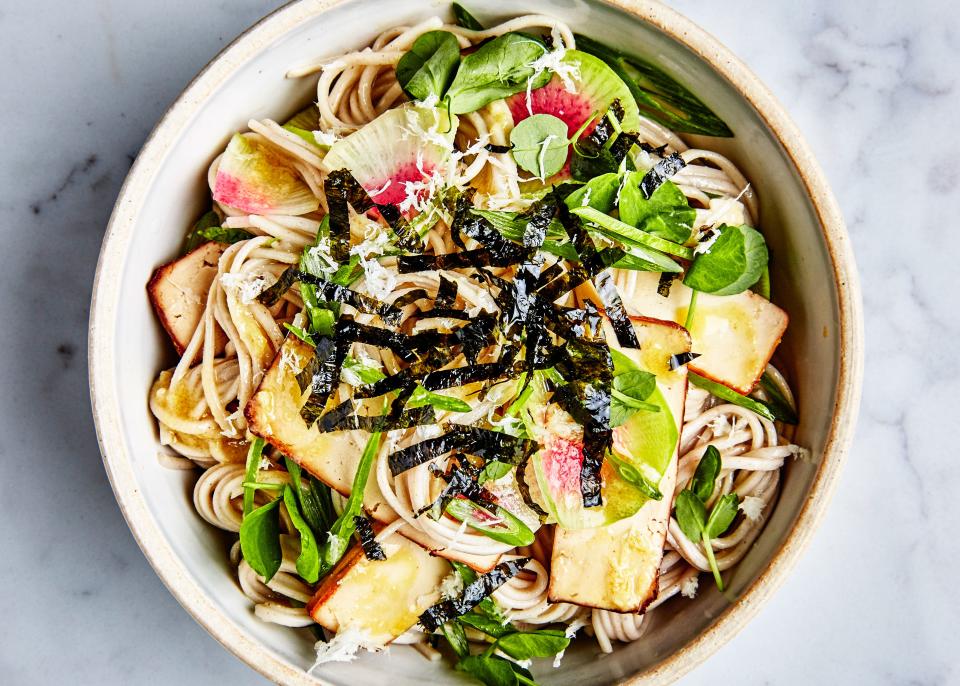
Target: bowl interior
{"x": 171, "y": 191}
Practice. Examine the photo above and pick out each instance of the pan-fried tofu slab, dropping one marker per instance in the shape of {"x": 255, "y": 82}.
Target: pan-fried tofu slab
{"x": 381, "y": 598}
{"x": 178, "y": 291}
{"x": 274, "y": 414}
{"x": 735, "y": 335}
{"x": 616, "y": 567}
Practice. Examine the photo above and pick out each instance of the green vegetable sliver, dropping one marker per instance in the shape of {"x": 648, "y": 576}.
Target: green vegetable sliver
{"x": 731, "y": 396}
{"x": 503, "y": 527}
{"x": 631, "y": 235}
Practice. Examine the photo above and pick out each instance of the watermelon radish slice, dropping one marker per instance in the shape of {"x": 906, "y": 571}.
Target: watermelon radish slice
{"x": 254, "y": 178}
{"x": 643, "y": 444}
{"x": 595, "y": 86}
{"x": 401, "y": 157}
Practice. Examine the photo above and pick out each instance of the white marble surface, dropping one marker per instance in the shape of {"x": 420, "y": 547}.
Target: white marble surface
{"x": 872, "y": 85}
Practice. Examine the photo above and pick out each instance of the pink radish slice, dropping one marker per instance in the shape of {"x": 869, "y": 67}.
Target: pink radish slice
{"x": 572, "y": 108}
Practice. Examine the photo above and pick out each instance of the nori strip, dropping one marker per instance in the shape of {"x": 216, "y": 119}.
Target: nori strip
{"x": 343, "y": 418}
{"x": 476, "y": 335}
{"x": 491, "y": 147}
{"x": 461, "y": 480}
{"x": 465, "y": 259}
{"x": 446, "y": 293}
{"x": 660, "y": 172}
{"x": 595, "y": 263}
{"x": 368, "y": 539}
{"x": 324, "y": 375}
{"x": 330, "y": 292}
{"x": 677, "y": 361}
{"x": 473, "y": 440}
{"x": 343, "y": 191}
{"x": 664, "y": 284}
{"x": 591, "y": 144}
{"x": 407, "y": 238}
{"x": 410, "y": 297}
{"x": 485, "y": 584}
{"x": 461, "y": 376}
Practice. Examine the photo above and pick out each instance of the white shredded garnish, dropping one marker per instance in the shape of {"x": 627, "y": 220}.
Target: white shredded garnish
{"x": 377, "y": 191}
{"x": 320, "y": 252}
{"x": 719, "y": 425}
{"x": 688, "y": 588}
{"x": 801, "y": 453}
{"x": 379, "y": 280}
{"x": 752, "y": 507}
{"x": 265, "y": 464}
{"x": 585, "y": 200}
{"x": 429, "y": 101}
{"x": 343, "y": 647}
{"x": 573, "y": 627}
{"x": 451, "y": 586}
{"x": 290, "y": 360}
{"x": 703, "y": 247}
{"x": 244, "y": 286}
{"x": 325, "y": 138}
{"x": 553, "y": 61}
{"x": 544, "y": 146}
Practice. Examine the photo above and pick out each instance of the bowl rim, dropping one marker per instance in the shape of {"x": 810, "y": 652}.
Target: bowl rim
{"x": 173, "y": 571}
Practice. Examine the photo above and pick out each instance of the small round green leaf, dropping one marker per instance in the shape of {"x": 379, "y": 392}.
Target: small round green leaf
{"x": 731, "y": 265}
{"x": 540, "y": 145}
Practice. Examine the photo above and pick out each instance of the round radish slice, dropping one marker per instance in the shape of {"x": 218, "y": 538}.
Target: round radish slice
{"x": 254, "y": 178}
{"x": 593, "y": 87}
{"x": 401, "y": 157}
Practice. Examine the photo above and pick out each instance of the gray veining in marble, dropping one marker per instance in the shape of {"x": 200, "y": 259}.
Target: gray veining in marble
{"x": 872, "y": 85}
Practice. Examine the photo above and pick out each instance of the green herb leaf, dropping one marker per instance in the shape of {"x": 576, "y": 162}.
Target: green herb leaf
{"x": 600, "y": 193}
{"x": 732, "y": 264}
{"x": 496, "y": 70}
{"x": 254, "y": 455}
{"x": 306, "y": 135}
{"x": 491, "y": 670}
{"x": 308, "y": 562}
{"x": 632, "y": 476}
{"x": 299, "y": 333}
{"x": 779, "y": 406}
{"x": 705, "y": 477}
{"x": 658, "y": 95}
{"x": 456, "y": 637}
{"x": 489, "y": 626}
{"x": 194, "y": 239}
{"x": 465, "y": 19}
{"x": 342, "y": 530}
{"x": 315, "y": 499}
{"x": 492, "y": 471}
{"x": 730, "y": 395}
{"x": 260, "y": 539}
{"x": 540, "y": 145}
{"x": 428, "y": 67}
{"x": 722, "y": 515}
{"x": 530, "y": 644}
{"x": 355, "y": 370}
{"x": 691, "y": 514}
{"x": 631, "y": 388}
{"x": 421, "y": 397}
{"x": 629, "y": 235}
{"x": 222, "y": 234}
{"x": 500, "y": 525}
{"x": 666, "y": 213}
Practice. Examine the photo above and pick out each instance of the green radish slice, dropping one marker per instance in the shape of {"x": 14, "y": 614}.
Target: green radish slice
{"x": 254, "y": 178}
{"x": 399, "y": 157}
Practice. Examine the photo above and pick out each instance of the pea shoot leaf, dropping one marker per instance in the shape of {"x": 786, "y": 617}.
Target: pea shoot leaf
{"x": 428, "y": 67}
{"x": 540, "y": 145}
{"x": 731, "y": 265}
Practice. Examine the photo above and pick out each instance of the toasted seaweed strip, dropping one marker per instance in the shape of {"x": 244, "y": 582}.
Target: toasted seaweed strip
{"x": 465, "y": 259}
{"x": 343, "y": 417}
{"x": 368, "y": 539}
{"x": 321, "y": 375}
{"x": 677, "y": 361}
{"x": 461, "y": 376}
{"x": 595, "y": 263}
{"x": 492, "y": 147}
{"x": 621, "y": 146}
{"x": 660, "y": 172}
{"x": 658, "y": 151}
{"x": 461, "y": 481}
{"x": 343, "y": 191}
{"x": 485, "y": 584}
{"x": 663, "y": 285}
{"x": 476, "y": 335}
{"x": 446, "y": 293}
{"x": 591, "y": 144}
{"x": 389, "y": 384}
{"x": 330, "y": 292}
{"x": 539, "y": 216}
{"x": 407, "y": 238}
{"x": 474, "y": 440}
{"x": 410, "y": 297}
{"x": 587, "y": 399}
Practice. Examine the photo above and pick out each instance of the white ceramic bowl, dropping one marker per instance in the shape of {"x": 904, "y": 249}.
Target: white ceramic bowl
{"x": 814, "y": 280}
